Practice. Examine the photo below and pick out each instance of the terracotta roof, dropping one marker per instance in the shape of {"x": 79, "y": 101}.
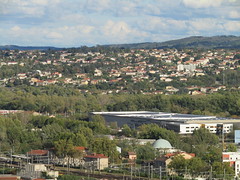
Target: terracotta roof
{"x": 9, "y": 178}
{"x": 95, "y": 156}
{"x": 80, "y": 148}
{"x": 38, "y": 152}
{"x": 179, "y": 153}
{"x": 131, "y": 153}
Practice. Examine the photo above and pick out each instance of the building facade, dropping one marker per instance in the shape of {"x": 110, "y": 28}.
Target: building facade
{"x": 180, "y": 123}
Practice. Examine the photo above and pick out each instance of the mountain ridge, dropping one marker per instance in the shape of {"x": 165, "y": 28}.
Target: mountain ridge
{"x": 188, "y": 42}
{"x": 213, "y": 42}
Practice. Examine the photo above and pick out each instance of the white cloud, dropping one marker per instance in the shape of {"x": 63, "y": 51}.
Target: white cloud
{"x": 90, "y": 22}
{"x": 15, "y": 28}
{"x": 116, "y": 28}
{"x": 54, "y": 35}
{"x": 232, "y": 26}
{"x": 40, "y": 2}
{"x": 205, "y": 24}
{"x": 202, "y": 3}
{"x": 234, "y": 14}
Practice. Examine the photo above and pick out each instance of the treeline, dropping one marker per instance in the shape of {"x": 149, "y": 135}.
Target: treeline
{"x": 21, "y": 132}
{"x": 68, "y": 101}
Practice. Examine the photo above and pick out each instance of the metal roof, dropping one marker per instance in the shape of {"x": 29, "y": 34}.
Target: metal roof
{"x": 170, "y": 117}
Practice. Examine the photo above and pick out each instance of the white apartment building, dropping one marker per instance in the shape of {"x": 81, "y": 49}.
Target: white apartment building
{"x": 234, "y": 159}
{"x": 213, "y": 128}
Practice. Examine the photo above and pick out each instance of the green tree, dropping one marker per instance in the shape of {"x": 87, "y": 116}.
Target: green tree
{"x": 126, "y": 130}
{"x": 146, "y": 152}
{"x": 105, "y": 146}
{"x": 64, "y": 148}
{"x": 203, "y": 136}
{"x": 179, "y": 164}
{"x": 231, "y": 148}
{"x": 196, "y": 165}
{"x": 221, "y": 168}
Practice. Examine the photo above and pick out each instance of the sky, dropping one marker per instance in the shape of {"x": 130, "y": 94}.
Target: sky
{"x": 75, "y": 23}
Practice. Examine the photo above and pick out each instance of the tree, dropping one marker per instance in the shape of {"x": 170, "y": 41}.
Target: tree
{"x": 126, "y": 130}
{"x": 105, "y": 146}
{"x": 213, "y": 154}
{"x": 98, "y": 124}
{"x": 153, "y": 131}
{"x": 231, "y": 148}
{"x": 221, "y": 168}
{"x": 203, "y": 136}
{"x": 64, "y": 149}
{"x": 179, "y": 164}
{"x": 196, "y": 165}
{"x": 146, "y": 152}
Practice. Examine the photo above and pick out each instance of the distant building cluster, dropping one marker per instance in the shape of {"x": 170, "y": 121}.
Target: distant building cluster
{"x": 42, "y": 68}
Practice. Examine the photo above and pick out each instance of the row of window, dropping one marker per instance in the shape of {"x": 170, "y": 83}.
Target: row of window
{"x": 192, "y": 127}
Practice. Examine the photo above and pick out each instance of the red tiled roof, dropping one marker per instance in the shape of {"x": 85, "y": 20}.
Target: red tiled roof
{"x": 95, "y": 156}
{"x": 178, "y": 153}
{"x": 9, "y": 178}
{"x": 38, "y": 152}
{"x": 80, "y": 148}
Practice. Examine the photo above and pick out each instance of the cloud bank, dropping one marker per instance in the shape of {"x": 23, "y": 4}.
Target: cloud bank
{"x": 73, "y": 23}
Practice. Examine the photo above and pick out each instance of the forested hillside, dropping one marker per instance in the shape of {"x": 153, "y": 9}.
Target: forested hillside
{"x": 189, "y": 42}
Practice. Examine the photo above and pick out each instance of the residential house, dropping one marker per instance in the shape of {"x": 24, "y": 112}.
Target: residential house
{"x": 97, "y": 72}
{"x": 234, "y": 160}
{"x": 96, "y": 161}
{"x": 132, "y": 156}
{"x": 165, "y": 160}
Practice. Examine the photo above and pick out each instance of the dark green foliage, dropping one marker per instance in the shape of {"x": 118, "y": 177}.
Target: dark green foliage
{"x": 105, "y": 146}
{"x": 219, "y": 169}
{"x": 145, "y": 153}
{"x": 203, "y": 136}
{"x": 153, "y": 131}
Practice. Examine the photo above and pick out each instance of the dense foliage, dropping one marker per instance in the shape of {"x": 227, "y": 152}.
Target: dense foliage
{"x": 54, "y": 99}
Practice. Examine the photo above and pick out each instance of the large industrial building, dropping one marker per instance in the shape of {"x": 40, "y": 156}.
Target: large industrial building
{"x": 181, "y": 123}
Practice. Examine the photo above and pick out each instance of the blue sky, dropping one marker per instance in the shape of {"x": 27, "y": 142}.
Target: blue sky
{"x": 74, "y": 23}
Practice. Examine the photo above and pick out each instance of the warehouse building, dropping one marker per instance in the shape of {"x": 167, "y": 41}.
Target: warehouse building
{"x": 180, "y": 123}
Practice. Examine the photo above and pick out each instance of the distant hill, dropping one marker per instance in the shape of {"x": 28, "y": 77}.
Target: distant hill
{"x": 214, "y": 42}
{"x": 189, "y": 42}
{"x": 14, "y": 47}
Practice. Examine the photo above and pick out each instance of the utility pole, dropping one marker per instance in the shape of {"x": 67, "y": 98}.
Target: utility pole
{"x": 11, "y": 155}
{"x": 210, "y": 178}
{"x": 131, "y": 171}
{"x": 223, "y": 136}
{"x": 149, "y": 171}
{"x": 160, "y": 173}
{"x": 224, "y": 172}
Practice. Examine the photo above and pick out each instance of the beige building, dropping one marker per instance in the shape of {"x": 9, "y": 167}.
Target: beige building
{"x": 36, "y": 171}
{"x": 132, "y": 155}
{"x": 96, "y": 161}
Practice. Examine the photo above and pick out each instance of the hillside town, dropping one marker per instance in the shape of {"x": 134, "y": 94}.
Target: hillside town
{"x": 107, "y": 113}
{"x": 107, "y": 70}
